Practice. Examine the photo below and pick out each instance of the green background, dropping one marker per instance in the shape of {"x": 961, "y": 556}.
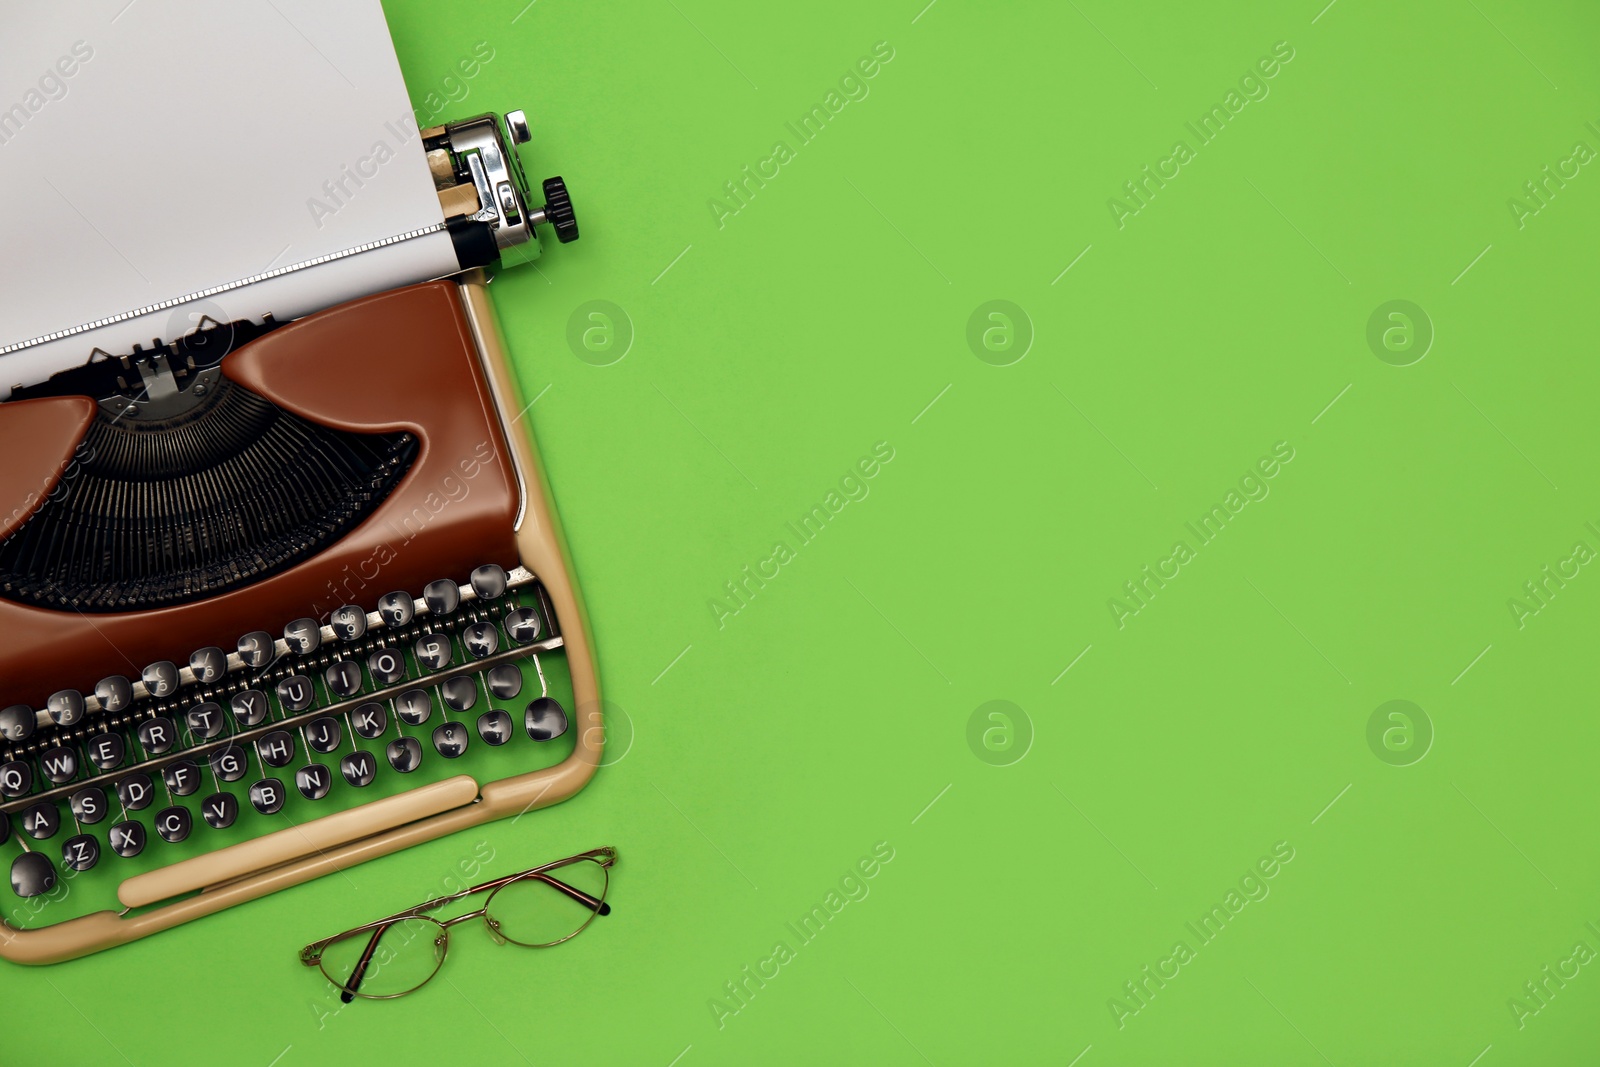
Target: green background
{"x": 771, "y": 753}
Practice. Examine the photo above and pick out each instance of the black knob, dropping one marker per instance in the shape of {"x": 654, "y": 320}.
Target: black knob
{"x": 558, "y": 210}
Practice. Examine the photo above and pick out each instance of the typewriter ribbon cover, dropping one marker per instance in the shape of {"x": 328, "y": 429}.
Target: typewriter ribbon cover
{"x": 269, "y": 512}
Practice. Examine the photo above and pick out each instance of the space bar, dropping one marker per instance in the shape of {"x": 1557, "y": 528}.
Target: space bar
{"x": 281, "y": 846}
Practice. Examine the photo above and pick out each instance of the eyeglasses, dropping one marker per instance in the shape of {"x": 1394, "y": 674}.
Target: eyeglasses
{"x": 401, "y": 954}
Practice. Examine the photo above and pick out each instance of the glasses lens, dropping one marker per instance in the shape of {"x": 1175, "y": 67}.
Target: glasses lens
{"x": 407, "y": 953}
{"x": 535, "y": 913}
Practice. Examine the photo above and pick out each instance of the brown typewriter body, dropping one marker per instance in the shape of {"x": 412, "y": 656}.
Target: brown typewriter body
{"x": 425, "y": 360}
{"x": 399, "y": 361}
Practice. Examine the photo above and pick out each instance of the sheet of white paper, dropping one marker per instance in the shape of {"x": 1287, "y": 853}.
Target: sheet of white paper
{"x": 154, "y": 149}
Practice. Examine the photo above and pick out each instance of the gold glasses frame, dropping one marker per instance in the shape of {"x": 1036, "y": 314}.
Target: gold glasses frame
{"x": 350, "y": 988}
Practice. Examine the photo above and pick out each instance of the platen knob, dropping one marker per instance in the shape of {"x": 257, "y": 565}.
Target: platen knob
{"x": 558, "y": 210}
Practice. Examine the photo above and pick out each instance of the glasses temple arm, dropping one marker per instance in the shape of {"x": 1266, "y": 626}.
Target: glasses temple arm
{"x": 348, "y": 993}
{"x": 599, "y": 907}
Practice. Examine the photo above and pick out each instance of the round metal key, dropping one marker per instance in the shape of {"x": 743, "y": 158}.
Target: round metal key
{"x": 127, "y": 839}
{"x": 266, "y": 796}
{"x": 41, "y": 821}
{"x": 349, "y": 623}
{"x": 81, "y": 852}
{"x": 505, "y": 681}
{"x": 66, "y": 707}
{"x": 32, "y": 874}
{"x": 359, "y": 768}
{"x": 114, "y": 693}
{"x": 433, "y": 651}
{"x": 413, "y": 706}
{"x": 460, "y": 693}
{"x": 443, "y": 596}
{"x": 370, "y": 720}
{"x": 546, "y": 719}
{"x": 88, "y": 805}
{"x": 219, "y": 810}
{"x": 450, "y": 740}
{"x": 303, "y": 636}
{"x": 495, "y": 727}
{"x": 523, "y": 625}
{"x": 397, "y": 609}
{"x": 405, "y": 754}
{"x": 250, "y": 708}
{"x": 482, "y": 640}
{"x": 343, "y": 678}
{"x": 489, "y": 582}
{"x": 17, "y": 723}
{"x": 174, "y": 824}
{"x": 208, "y": 665}
{"x": 387, "y": 665}
{"x": 161, "y": 678}
{"x": 256, "y": 649}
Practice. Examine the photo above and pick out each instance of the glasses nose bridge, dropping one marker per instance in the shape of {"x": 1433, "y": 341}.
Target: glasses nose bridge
{"x": 468, "y": 917}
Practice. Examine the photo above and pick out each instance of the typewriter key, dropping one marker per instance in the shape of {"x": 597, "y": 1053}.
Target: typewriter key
{"x": 219, "y": 810}
{"x": 161, "y": 679}
{"x": 174, "y": 824}
{"x": 157, "y": 735}
{"x": 276, "y": 749}
{"x": 106, "y": 751}
{"x": 460, "y": 694}
{"x": 405, "y": 754}
{"x": 208, "y": 665}
{"x": 303, "y": 636}
{"x": 205, "y": 720}
{"x": 42, "y": 820}
{"x": 60, "y": 765}
{"x": 16, "y": 779}
{"x": 349, "y": 623}
{"x": 65, "y": 707}
{"x": 80, "y": 852}
{"x": 387, "y": 666}
{"x": 523, "y": 626}
{"x": 397, "y": 609}
{"x": 229, "y": 763}
{"x": 546, "y": 719}
{"x": 482, "y": 640}
{"x": 114, "y": 693}
{"x": 256, "y": 649}
{"x": 32, "y": 874}
{"x": 296, "y": 693}
{"x": 17, "y": 723}
{"x": 313, "y": 781}
{"x": 182, "y": 777}
{"x": 88, "y": 805}
{"x": 450, "y": 739}
{"x": 489, "y": 582}
{"x": 359, "y": 768}
{"x": 135, "y": 792}
{"x": 324, "y": 734}
{"x": 249, "y": 708}
{"x": 505, "y": 681}
{"x": 370, "y": 721}
{"x": 413, "y": 706}
{"x": 266, "y": 796}
{"x": 443, "y": 597}
{"x": 127, "y": 839}
{"x": 433, "y": 651}
{"x": 495, "y": 727}
{"x": 343, "y": 678}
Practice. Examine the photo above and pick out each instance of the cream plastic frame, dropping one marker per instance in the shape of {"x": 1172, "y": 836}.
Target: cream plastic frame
{"x": 542, "y": 548}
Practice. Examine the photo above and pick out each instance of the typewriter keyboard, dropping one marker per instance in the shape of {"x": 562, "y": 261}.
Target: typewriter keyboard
{"x": 274, "y": 730}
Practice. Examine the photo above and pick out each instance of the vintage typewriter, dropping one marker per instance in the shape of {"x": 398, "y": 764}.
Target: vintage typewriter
{"x": 282, "y": 588}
